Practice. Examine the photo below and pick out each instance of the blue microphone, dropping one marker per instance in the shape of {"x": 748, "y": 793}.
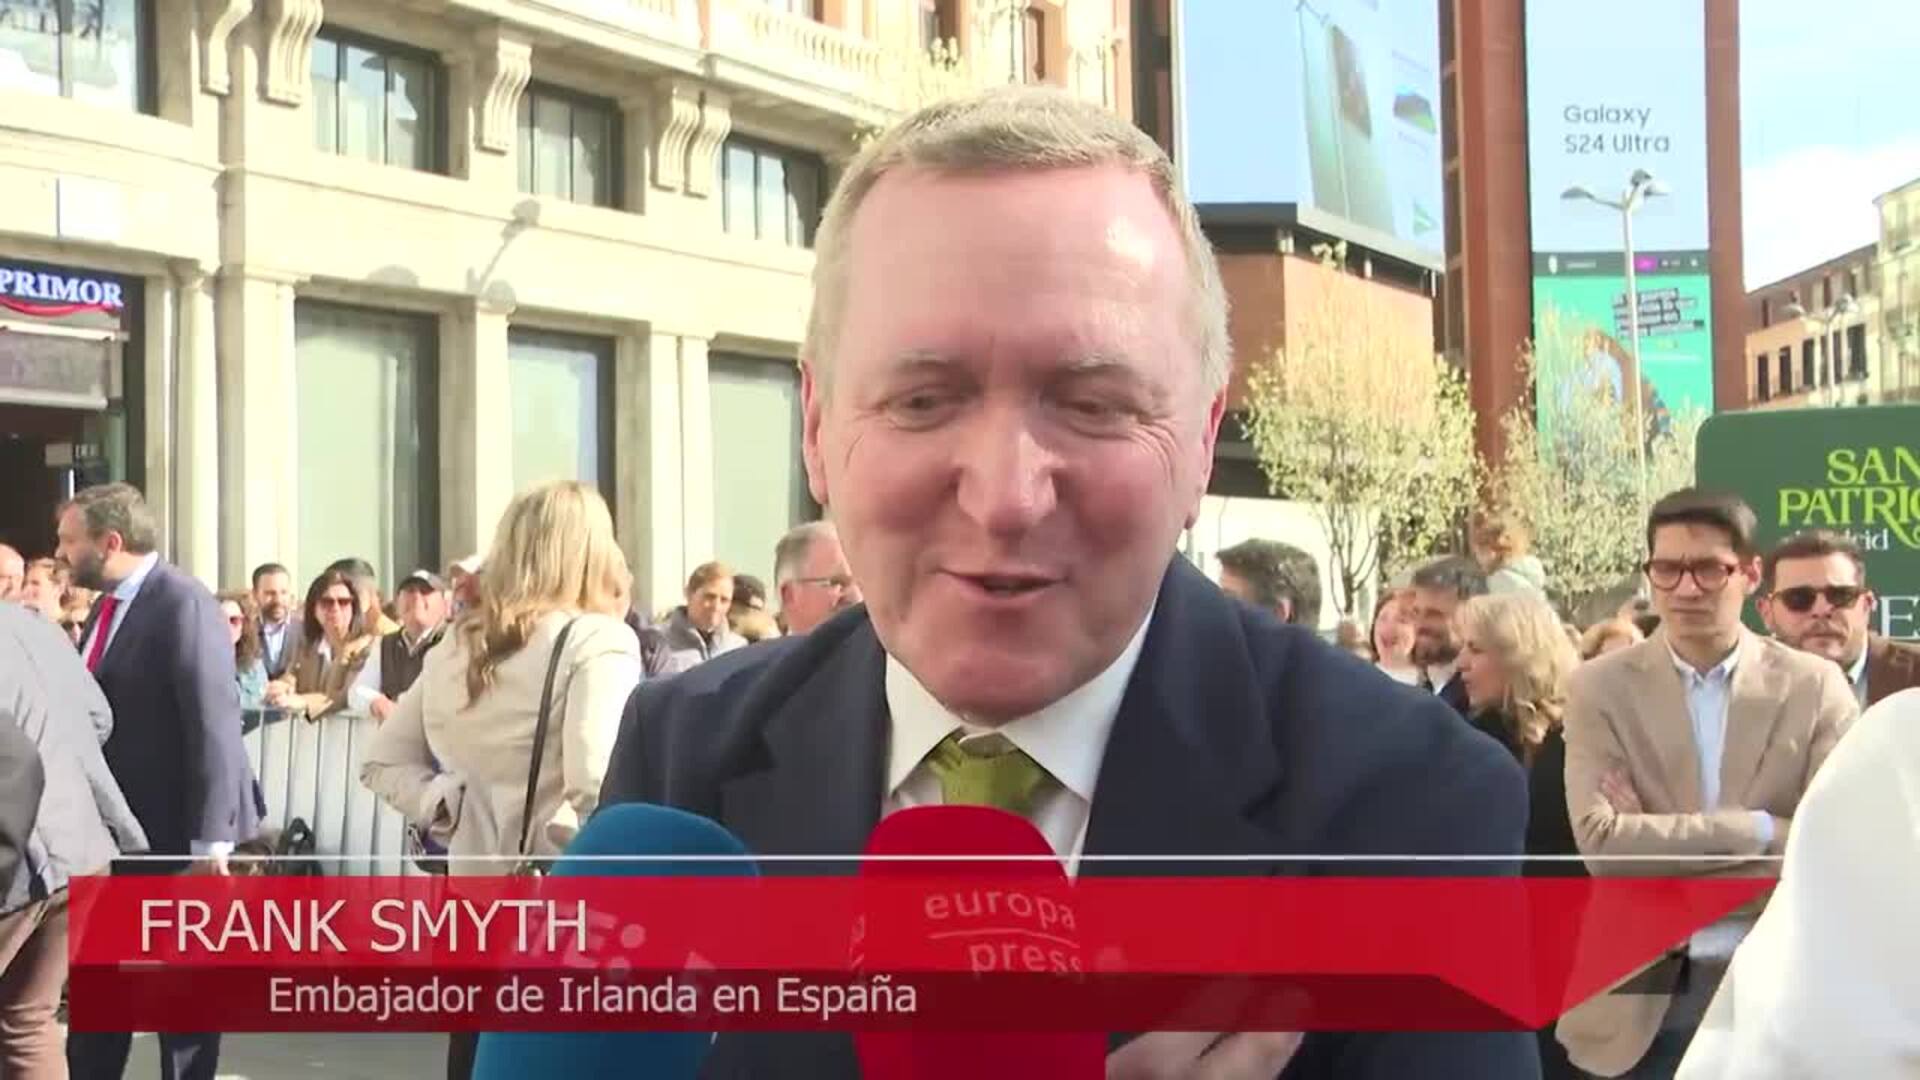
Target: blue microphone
{"x": 632, "y": 832}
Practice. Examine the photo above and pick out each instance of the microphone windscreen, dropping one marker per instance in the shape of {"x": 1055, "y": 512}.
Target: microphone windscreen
{"x": 1003, "y": 913}
{"x": 625, "y": 840}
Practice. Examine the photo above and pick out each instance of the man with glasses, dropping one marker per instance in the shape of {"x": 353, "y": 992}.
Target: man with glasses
{"x": 1697, "y": 742}
{"x": 810, "y": 570}
{"x": 1816, "y": 599}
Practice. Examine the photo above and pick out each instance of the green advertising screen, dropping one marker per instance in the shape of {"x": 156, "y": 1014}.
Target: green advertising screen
{"x": 1855, "y": 471}
{"x": 1676, "y": 341}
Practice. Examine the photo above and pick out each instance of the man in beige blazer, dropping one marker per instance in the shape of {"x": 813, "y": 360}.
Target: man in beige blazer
{"x": 1697, "y": 742}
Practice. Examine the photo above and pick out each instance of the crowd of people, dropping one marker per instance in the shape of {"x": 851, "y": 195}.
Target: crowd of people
{"x": 998, "y": 616}
{"x": 1632, "y": 782}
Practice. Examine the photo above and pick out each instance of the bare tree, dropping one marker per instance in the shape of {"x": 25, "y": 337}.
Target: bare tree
{"x": 1359, "y": 419}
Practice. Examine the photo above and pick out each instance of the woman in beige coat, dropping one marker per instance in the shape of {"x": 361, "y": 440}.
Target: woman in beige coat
{"x": 473, "y": 711}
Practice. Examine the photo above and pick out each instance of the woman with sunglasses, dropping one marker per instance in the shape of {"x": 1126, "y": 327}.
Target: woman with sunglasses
{"x": 337, "y": 638}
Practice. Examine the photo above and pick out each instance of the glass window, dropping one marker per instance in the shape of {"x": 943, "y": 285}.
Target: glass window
{"x": 737, "y": 190}
{"x": 326, "y": 96}
{"x": 1033, "y": 40}
{"x": 770, "y": 193}
{"x": 95, "y": 51}
{"x": 562, "y": 423}
{"x": 365, "y": 438}
{"x": 759, "y": 481}
{"x": 376, "y": 102}
{"x": 1761, "y": 380}
{"x": 568, "y": 147}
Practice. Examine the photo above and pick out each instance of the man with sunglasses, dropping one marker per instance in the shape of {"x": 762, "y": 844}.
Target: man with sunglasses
{"x": 1698, "y": 742}
{"x": 1816, "y": 599}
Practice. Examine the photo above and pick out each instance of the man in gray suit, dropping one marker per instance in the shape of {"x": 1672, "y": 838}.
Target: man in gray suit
{"x": 21, "y": 780}
{"x": 84, "y": 822}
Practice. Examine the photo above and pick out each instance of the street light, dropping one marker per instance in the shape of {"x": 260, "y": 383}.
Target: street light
{"x": 1641, "y": 186}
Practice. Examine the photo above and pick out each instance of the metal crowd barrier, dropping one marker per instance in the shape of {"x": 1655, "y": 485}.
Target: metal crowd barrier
{"x": 311, "y": 770}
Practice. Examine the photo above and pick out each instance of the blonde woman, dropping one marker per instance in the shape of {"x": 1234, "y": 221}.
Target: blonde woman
{"x": 1515, "y": 661}
{"x": 457, "y": 754}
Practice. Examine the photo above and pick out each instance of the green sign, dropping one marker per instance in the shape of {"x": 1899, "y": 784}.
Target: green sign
{"x": 1855, "y": 471}
{"x": 1676, "y": 339}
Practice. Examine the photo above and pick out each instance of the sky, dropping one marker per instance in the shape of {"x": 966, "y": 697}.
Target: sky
{"x": 1830, "y": 118}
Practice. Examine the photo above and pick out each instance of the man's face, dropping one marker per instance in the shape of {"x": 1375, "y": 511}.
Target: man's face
{"x": 707, "y": 606}
{"x": 13, "y": 573}
{"x": 825, "y": 585}
{"x": 421, "y": 608}
{"x": 86, "y": 556}
{"x": 1693, "y": 609}
{"x": 1433, "y": 640}
{"x": 1802, "y": 611}
{"x": 273, "y": 595}
{"x": 1016, "y": 429}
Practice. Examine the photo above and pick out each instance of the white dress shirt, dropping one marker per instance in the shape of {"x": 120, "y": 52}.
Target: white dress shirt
{"x": 1067, "y": 738}
{"x": 1708, "y": 695}
{"x": 1857, "y": 678}
{"x": 1828, "y": 983}
{"x": 1437, "y": 674}
{"x": 273, "y": 638}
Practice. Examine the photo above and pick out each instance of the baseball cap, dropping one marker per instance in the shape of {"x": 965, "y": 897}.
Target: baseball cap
{"x": 423, "y": 578}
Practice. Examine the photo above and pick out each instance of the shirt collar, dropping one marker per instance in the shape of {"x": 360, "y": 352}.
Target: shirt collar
{"x": 129, "y": 586}
{"x": 1721, "y": 672}
{"x": 1858, "y": 671}
{"x": 1067, "y": 738}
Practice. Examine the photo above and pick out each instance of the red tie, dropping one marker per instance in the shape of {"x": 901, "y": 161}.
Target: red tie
{"x": 101, "y": 628}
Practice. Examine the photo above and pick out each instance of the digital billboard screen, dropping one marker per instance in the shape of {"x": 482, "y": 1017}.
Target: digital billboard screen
{"x": 1612, "y": 91}
{"x": 1324, "y": 112}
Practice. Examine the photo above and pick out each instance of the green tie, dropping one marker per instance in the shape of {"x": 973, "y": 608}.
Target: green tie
{"x": 987, "y": 770}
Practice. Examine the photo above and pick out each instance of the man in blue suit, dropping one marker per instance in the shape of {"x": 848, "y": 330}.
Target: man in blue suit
{"x": 1013, "y": 379}
{"x": 158, "y": 646}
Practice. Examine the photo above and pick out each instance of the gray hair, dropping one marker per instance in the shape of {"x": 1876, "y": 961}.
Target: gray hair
{"x": 792, "y": 550}
{"x": 117, "y": 508}
{"x": 1014, "y": 129}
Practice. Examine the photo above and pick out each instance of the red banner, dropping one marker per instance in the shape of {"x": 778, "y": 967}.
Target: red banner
{"x": 949, "y": 953}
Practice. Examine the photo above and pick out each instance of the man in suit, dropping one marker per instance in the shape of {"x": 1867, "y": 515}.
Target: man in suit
{"x": 1439, "y": 588}
{"x": 280, "y": 628}
{"x": 21, "y": 781}
{"x": 1697, "y": 742}
{"x": 1013, "y": 379}
{"x": 1815, "y": 598}
{"x": 84, "y": 824}
{"x": 158, "y": 646}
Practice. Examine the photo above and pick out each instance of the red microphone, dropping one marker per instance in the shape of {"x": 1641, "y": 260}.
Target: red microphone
{"x": 982, "y": 930}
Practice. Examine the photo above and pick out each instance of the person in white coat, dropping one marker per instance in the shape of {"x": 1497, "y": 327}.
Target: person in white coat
{"x": 1828, "y": 981}
{"x": 459, "y": 755}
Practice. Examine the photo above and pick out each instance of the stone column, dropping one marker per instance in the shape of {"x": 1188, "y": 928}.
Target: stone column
{"x": 696, "y": 454}
{"x": 648, "y": 480}
{"x": 258, "y": 436}
{"x": 476, "y": 442}
{"x": 196, "y": 501}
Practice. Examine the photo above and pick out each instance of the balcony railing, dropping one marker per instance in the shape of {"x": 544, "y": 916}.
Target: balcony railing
{"x": 795, "y": 46}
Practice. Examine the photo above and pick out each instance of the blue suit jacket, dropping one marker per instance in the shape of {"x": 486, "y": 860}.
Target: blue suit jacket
{"x": 1236, "y": 735}
{"x": 176, "y": 749}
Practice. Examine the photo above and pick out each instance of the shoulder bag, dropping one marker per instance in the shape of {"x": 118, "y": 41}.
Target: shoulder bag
{"x": 527, "y": 866}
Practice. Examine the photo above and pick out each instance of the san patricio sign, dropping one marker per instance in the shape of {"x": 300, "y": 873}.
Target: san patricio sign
{"x": 1855, "y": 471}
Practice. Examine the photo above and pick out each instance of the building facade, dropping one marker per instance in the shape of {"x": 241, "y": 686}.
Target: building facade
{"x": 1813, "y": 338}
{"x": 1897, "y": 273}
{"x": 339, "y": 278}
